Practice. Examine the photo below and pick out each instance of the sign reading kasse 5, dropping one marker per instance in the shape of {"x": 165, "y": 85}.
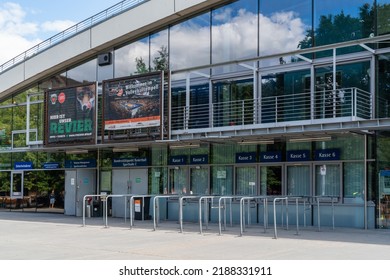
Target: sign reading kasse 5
{"x": 70, "y": 117}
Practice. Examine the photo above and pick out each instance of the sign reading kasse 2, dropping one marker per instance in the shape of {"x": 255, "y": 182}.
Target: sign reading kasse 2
{"x": 70, "y": 115}
{"x": 132, "y": 102}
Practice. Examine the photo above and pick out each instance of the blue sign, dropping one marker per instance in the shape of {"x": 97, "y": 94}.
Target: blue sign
{"x": 51, "y": 165}
{"x": 327, "y": 154}
{"x": 270, "y": 156}
{"x": 128, "y": 162}
{"x": 384, "y": 173}
{"x": 245, "y": 157}
{"x": 23, "y": 165}
{"x": 178, "y": 160}
{"x": 199, "y": 159}
{"x": 302, "y": 155}
{"x": 86, "y": 163}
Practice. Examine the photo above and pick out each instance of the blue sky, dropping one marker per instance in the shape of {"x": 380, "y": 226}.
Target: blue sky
{"x": 25, "y": 23}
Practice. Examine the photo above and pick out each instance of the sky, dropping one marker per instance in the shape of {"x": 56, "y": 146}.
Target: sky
{"x": 26, "y": 23}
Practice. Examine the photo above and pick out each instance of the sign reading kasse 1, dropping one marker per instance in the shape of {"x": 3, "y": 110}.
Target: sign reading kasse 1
{"x": 70, "y": 117}
{"x": 132, "y": 102}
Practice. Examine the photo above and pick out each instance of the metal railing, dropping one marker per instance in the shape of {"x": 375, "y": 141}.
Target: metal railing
{"x": 324, "y": 104}
{"x": 72, "y": 31}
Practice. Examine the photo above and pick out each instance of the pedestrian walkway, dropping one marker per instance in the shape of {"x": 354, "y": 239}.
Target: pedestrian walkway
{"x": 44, "y": 236}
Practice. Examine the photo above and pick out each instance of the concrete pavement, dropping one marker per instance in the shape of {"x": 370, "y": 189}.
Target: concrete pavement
{"x": 44, "y": 236}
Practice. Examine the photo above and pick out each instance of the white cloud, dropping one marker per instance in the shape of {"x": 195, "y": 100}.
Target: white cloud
{"x": 16, "y": 34}
{"x": 57, "y": 25}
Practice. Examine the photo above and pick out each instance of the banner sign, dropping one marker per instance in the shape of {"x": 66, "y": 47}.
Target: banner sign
{"x": 270, "y": 156}
{"x": 327, "y": 154}
{"x": 23, "y": 165}
{"x": 199, "y": 159}
{"x": 129, "y": 162}
{"x": 132, "y": 102}
{"x": 177, "y": 160}
{"x": 86, "y": 163}
{"x": 245, "y": 157}
{"x": 70, "y": 115}
{"x": 303, "y": 155}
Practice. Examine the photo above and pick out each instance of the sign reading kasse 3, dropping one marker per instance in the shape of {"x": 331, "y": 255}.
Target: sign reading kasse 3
{"x": 132, "y": 102}
{"x": 70, "y": 115}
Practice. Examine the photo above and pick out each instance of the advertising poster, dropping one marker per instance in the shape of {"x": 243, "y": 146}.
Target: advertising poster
{"x": 70, "y": 115}
{"x": 132, "y": 102}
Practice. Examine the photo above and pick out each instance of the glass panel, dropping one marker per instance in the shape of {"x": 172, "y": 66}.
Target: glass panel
{"x": 222, "y": 180}
{"x": 132, "y": 59}
{"x": 223, "y": 154}
{"x": 159, "y": 51}
{"x": 383, "y": 96}
{"x": 383, "y": 15}
{"x": 234, "y": 31}
{"x": 158, "y": 179}
{"x": 178, "y": 180}
{"x": 271, "y": 180}
{"x": 233, "y": 102}
{"x": 246, "y": 181}
{"x": 354, "y": 182}
{"x": 81, "y": 74}
{"x": 284, "y": 26}
{"x": 327, "y": 180}
{"x": 298, "y": 180}
{"x": 189, "y": 38}
{"x": 199, "y": 181}
{"x": 348, "y": 20}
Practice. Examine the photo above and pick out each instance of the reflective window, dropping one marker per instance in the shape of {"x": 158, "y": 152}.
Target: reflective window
{"x": 284, "y": 26}
{"x": 344, "y": 21}
{"x": 159, "y": 51}
{"x": 132, "y": 58}
{"x": 383, "y": 14}
{"x": 81, "y": 74}
{"x": 234, "y": 31}
{"x": 190, "y": 43}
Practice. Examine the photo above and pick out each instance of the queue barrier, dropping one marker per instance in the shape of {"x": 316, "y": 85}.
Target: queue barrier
{"x": 222, "y": 206}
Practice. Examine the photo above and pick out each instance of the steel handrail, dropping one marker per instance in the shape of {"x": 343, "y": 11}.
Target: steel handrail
{"x": 84, "y": 198}
{"x": 181, "y": 199}
{"x": 106, "y": 204}
{"x": 318, "y": 198}
{"x": 242, "y": 204}
{"x": 223, "y": 198}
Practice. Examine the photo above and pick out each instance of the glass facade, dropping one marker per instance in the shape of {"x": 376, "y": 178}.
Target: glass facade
{"x": 238, "y": 68}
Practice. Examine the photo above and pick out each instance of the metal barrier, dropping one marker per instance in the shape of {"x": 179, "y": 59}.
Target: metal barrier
{"x": 206, "y": 216}
{"x": 105, "y": 203}
{"x": 242, "y": 212}
{"x": 224, "y": 198}
{"x": 297, "y": 212}
{"x": 181, "y": 199}
{"x": 156, "y": 204}
{"x": 318, "y": 198}
{"x": 132, "y": 205}
{"x": 84, "y": 206}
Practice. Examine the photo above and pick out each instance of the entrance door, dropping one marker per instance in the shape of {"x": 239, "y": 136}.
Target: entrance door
{"x": 127, "y": 181}
{"x": 246, "y": 180}
{"x": 328, "y": 179}
{"x": 271, "y": 180}
{"x": 298, "y": 180}
{"x": 78, "y": 183}
{"x": 199, "y": 184}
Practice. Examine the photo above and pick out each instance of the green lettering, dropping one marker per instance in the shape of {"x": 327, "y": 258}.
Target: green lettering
{"x": 80, "y": 126}
{"x": 53, "y": 128}
{"x": 60, "y": 128}
{"x": 88, "y": 125}
{"x": 68, "y": 127}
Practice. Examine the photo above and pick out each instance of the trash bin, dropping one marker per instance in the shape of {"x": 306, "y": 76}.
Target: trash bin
{"x": 97, "y": 208}
{"x": 139, "y": 205}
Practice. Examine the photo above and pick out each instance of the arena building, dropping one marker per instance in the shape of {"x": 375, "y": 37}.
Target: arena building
{"x": 246, "y": 100}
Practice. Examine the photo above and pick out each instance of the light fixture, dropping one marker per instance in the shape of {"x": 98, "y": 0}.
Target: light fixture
{"x": 181, "y": 146}
{"x": 125, "y": 149}
{"x": 256, "y": 142}
{"x": 76, "y": 152}
{"x": 309, "y": 139}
